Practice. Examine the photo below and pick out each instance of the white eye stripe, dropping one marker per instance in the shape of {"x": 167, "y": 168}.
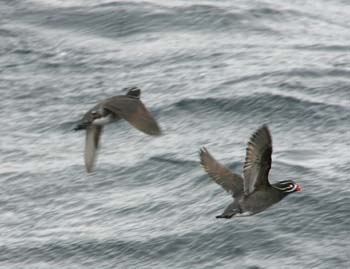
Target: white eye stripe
{"x": 294, "y": 188}
{"x": 287, "y": 188}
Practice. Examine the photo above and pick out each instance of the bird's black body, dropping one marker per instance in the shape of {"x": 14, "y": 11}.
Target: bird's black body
{"x": 253, "y": 193}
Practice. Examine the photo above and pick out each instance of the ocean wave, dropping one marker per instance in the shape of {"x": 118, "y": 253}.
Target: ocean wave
{"x": 155, "y": 248}
{"x": 126, "y": 18}
{"x": 169, "y": 160}
{"x": 212, "y": 72}
{"x": 324, "y": 47}
{"x": 265, "y": 104}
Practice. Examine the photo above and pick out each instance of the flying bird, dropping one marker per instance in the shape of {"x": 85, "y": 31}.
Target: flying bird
{"x": 128, "y": 107}
{"x": 253, "y": 193}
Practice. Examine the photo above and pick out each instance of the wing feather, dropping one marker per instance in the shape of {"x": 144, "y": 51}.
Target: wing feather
{"x": 258, "y": 160}
{"x": 93, "y": 134}
{"x": 135, "y": 112}
{"x": 232, "y": 183}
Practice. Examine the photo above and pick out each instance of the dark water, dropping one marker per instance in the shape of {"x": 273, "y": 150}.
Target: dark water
{"x": 211, "y": 72}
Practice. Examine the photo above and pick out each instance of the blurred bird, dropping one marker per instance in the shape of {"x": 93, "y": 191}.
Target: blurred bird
{"x": 128, "y": 107}
{"x": 253, "y": 193}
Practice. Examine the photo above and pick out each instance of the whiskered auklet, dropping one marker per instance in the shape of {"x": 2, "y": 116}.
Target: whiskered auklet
{"x": 253, "y": 193}
{"x": 128, "y": 107}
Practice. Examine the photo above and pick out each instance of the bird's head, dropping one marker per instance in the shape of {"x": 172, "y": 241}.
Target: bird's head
{"x": 134, "y": 92}
{"x": 287, "y": 186}
{"x": 88, "y": 119}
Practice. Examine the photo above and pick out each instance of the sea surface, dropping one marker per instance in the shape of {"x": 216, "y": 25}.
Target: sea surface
{"x": 211, "y": 73}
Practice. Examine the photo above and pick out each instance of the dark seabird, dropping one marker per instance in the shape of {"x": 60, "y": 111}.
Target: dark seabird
{"x": 128, "y": 107}
{"x": 253, "y": 193}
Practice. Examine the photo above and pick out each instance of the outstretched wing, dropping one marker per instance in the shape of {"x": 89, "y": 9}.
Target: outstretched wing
{"x": 93, "y": 134}
{"x": 135, "y": 112}
{"x": 232, "y": 183}
{"x": 258, "y": 160}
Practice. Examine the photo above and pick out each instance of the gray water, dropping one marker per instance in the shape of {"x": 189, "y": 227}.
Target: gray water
{"x": 211, "y": 72}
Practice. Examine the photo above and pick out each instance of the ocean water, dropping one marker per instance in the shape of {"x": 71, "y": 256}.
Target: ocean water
{"x": 211, "y": 72}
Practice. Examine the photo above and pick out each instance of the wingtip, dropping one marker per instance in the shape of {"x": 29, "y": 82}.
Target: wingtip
{"x": 89, "y": 167}
{"x": 264, "y": 127}
{"x": 203, "y": 150}
{"x": 159, "y": 131}
{"x": 89, "y": 170}
{"x": 201, "y": 153}
{"x": 156, "y": 132}
{"x": 203, "y": 156}
{"x": 261, "y": 127}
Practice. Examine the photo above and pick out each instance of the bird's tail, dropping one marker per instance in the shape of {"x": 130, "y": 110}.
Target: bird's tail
{"x": 226, "y": 216}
